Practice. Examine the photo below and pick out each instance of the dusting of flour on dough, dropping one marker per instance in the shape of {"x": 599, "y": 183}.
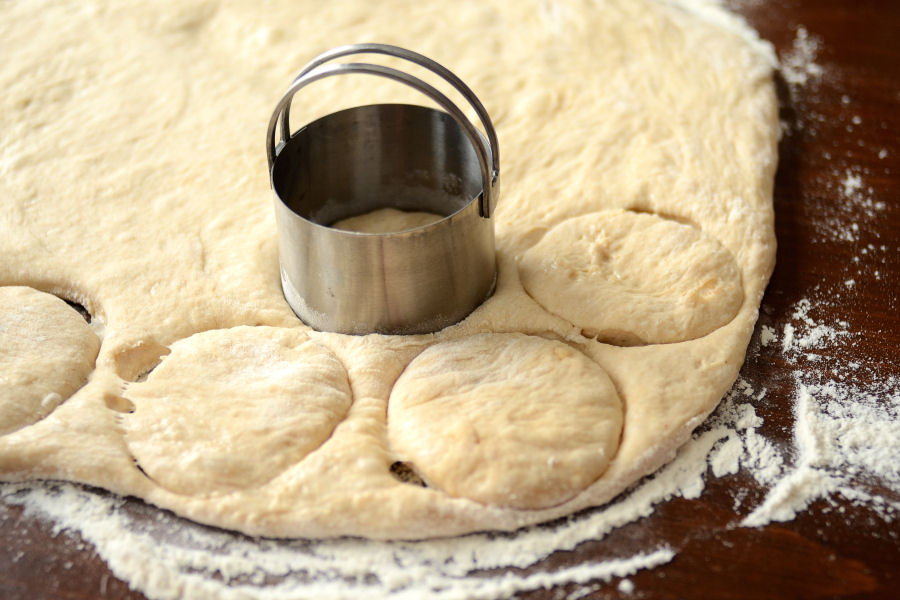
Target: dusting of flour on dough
{"x": 193, "y": 251}
{"x": 846, "y": 444}
{"x": 832, "y": 455}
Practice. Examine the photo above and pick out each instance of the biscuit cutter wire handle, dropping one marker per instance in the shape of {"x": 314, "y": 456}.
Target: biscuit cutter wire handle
{"x": 402, "y": 156}
{"x": 488, "y": 157}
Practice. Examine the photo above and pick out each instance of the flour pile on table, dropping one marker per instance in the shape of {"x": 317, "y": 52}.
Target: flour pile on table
{"x": 846, "y": 424}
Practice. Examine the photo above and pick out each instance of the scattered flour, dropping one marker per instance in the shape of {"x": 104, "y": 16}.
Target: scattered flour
{"x": 166, "y": 557}
{"x": 787, "y": 338}
{"x": 841, "y": 175}
{"x": 845, "y": 448}
{"x": 852, "y": 183}
{"x": 798, "y": 66}
{"x": 626, "y": 586}
{"x": 847, "y": 441}
{"x": 767, "y": 335}
{"x": 803, "y": 334}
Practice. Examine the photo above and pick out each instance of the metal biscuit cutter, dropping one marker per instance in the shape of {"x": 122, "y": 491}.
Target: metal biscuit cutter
{"x": 364, "y": 158}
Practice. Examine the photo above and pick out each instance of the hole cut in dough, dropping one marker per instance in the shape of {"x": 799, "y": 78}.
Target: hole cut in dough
{"x": 80, "y": 309}
{"x": 47, "y": 352}
{"x": 118, "y": 403}
{"x": 154, "y": 205}
{"x": 231, "y": 409}
{"x": 630, "y": 278}
{"x": 405, "y": 473}
{"x": 505, "y": 419}
{"x": 135, "y": 362}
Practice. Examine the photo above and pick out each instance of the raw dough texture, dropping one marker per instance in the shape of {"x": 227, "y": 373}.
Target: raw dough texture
{"x": 482, "y": 417}
{"x": 228, "y": 410}
{"x": 630, "y": 278}
{"x": 47, "y": 351}
{"x": 638, "y": 148}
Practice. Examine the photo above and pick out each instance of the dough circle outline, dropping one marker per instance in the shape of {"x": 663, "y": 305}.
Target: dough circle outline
{"x": 47, "y": 353}
{"x": 261, "y": 400}
{"x": 633, "y": 278}
{"x": 481, "y": 417}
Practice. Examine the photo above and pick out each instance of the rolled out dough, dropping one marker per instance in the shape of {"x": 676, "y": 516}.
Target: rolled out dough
{"x": 634, "y": 238}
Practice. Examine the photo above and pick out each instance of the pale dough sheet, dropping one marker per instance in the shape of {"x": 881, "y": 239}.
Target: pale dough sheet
{"x": 634, "y": 236}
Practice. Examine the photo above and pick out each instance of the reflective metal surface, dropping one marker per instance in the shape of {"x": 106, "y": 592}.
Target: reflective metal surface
{"x": 389, "y": 155}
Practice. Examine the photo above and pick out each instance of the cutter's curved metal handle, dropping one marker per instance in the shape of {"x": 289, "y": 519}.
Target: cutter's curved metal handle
{"x": 415, "y": 58}
{"x": 488, "y": 157}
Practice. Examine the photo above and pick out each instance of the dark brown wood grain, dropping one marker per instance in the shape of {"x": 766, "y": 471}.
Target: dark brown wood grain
{"x": 822, "y": 553}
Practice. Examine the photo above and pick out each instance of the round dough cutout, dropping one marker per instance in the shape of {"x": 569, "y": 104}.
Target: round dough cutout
{"x": 505, "y": 419}
{"x": 387, "y": 220}
{"x": 231, "y": 409}
{"x": 631, "y": 278}
{"x": 47, "y": 352}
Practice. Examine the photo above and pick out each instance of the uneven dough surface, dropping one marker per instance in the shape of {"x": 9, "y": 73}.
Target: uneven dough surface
{"x": 230, "y": 409}
{"x": 637, "y": 150}
{"x": 630, "y": 278}
{"x": 47, "y": 352}
{"x": 483, "y": 418}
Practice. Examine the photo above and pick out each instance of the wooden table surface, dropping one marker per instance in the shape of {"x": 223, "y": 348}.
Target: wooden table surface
{"x": 844, "y": 121}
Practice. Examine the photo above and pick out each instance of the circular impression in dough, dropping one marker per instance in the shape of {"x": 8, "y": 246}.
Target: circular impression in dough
{"x": 231, "y": 409}
{"x": 47, "y": 352}
{"x": 387, "y": 220}
{"x": 631, "y": 278}
{"x": 505, "y": 419}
